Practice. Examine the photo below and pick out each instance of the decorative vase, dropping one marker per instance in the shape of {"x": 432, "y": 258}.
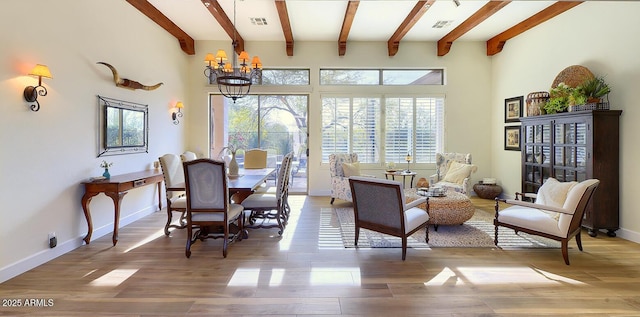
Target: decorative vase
{"x": 233, "y": 164}
{"x": 106, "y": 173}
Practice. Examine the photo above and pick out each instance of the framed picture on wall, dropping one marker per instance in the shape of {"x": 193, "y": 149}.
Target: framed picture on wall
{"x": 513, "y": 109}
{"x": 512, "y": 138}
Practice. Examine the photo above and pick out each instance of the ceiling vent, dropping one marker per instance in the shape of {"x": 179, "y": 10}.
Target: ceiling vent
{"x": 442, "y": 24}
{"x": 258, "y": 21}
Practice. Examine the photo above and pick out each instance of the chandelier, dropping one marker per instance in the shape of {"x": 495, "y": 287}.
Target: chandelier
{"x": 234, "y": 79}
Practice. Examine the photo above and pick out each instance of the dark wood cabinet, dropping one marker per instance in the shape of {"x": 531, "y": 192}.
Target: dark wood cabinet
{"x": 574, "y": 146}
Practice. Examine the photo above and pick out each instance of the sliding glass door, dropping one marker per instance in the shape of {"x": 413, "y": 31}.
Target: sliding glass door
{"x": 276, "y": 123}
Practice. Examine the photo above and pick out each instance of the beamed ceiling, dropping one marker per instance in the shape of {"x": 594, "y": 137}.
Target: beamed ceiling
{"x": 344, "y": 21}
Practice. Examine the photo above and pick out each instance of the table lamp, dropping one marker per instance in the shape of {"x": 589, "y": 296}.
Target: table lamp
{"x": 408, "y": 159}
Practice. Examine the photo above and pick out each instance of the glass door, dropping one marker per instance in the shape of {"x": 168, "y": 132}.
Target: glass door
{"x": 276, "y": 123}
{"x": 537, "y": 155}
{"x": 570, "y": 151}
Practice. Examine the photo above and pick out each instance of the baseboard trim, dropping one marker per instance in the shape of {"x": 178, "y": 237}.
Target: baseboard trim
{"x": 12, "y": 270}
{"x": 628, "y": 235}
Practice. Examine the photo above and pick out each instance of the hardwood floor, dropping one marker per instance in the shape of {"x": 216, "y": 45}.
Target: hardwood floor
{"x": 308, "y": 272}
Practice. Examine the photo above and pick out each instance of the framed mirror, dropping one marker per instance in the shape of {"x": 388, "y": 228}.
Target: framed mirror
{"x": 124, "y": 127}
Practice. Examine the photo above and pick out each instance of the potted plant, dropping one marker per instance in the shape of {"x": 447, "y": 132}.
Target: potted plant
{"x": 594, "y": 89}
{"x": 558, "y": 98}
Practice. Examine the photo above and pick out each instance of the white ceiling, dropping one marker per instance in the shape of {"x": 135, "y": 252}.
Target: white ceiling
{"x": 321, "y": 20}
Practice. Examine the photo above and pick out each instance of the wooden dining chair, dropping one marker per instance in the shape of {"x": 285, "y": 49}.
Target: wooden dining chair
{"x": 176, "y": 200}
{"x": 208, "y": 205}
{"x": 267, "y": 206}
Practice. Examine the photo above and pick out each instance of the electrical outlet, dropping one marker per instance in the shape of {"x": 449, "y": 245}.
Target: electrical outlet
{"x": 53, "y": 241}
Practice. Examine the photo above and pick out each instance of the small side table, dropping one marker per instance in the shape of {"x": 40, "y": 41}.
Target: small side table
{"x": 487, "y": 191}
{"x": 404, "y": 176}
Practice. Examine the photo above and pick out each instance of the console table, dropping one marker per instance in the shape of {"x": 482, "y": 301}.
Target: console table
{"x": 116, "y": 187}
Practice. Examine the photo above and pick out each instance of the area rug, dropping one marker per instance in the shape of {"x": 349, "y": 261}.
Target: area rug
{"x": 477, "y": 232}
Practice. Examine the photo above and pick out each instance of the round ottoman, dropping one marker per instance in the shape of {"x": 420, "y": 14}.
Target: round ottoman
{"x": 453, "y": 209}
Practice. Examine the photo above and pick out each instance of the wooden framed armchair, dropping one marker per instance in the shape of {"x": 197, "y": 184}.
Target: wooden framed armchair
{"x": 379, "y": 205}
{"x": 556, "y": 214}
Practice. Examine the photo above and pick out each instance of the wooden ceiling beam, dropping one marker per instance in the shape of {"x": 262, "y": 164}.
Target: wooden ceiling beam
{"x": 216, "y": 10}
{"x": 416, "y": 13}
{"x": 186, "y": 42}
{"x": 349, "y": 15}
{"x": 283, "y": 13}
{"x": 496, "y": 43}
{"x": 444, "y": 44}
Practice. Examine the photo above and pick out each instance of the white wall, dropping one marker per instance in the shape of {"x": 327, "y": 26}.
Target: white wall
{"x": 602, "y": 36}
{"x": 47, "y": 154}
{"x": 467, "y": 93}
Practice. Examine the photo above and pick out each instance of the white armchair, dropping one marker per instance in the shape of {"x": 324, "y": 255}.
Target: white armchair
{"x": 453, "y": 172}
{"x": 556, "y": 214}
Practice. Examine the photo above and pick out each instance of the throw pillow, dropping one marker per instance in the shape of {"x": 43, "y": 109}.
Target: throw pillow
{"x": 458, "y": 172}
{"x": 554, "y": 193}
{"x": 351, "y": 169}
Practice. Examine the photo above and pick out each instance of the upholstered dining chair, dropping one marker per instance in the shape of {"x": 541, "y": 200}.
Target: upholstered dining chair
{"x": 255, "y": 158}
{"x": 266, "y": 206}
{"x": 556, "y": 214}
{"x": 188, "y": 156}
{"x": 453, "y": 172}
{"x": 208, "y": 205}
{"x": 379, "y": 205}
{"x": 176, "y": 200}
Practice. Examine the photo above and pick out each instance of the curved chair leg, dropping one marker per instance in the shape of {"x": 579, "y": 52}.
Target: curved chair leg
{"x": 169, "y": 218}
{"x": 579, "y": 241}
{"x": 565, "y": 251}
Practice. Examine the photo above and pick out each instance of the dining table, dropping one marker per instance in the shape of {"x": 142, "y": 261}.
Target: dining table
{"x": 241, "y": 185}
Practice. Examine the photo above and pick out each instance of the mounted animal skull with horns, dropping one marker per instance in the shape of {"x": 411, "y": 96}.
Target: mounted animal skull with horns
{"x": 127, "y": 83}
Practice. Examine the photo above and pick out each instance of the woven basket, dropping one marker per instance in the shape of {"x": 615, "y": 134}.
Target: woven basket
{"x": 535, "y": 101}
{"x": 572, "y": 76}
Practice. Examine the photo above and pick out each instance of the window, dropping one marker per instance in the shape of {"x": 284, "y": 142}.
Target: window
{"x": 381, "y": 77}
{"x": 351, "y": 125}
{"x": 415, "y": 126}
{"x": 294, "y": 77}
{"x": 410, "y": 125}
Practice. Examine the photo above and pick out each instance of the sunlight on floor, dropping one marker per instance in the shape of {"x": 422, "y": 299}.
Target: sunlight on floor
{"x": 146, "y": 240}
{"x": 335, "y": 276}
{"x": 254, "y": 277}
{"x": 330, "y": 236}
{"x": 497, "y": 275}
{"x": 114, "y": 278}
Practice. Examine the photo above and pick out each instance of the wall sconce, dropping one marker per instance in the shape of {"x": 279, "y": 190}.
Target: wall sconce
{"x": 30, "y": 92}
{"x": 177, "y": 114}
